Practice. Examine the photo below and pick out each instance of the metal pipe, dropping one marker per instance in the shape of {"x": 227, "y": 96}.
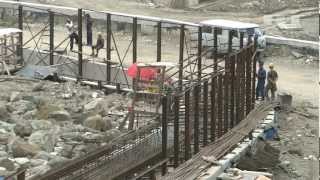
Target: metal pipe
{"x": 205, "y": 113}
{"x": 215, "y": 48}
{"x": 232, "y": 90}
{"x": 196, "y": 118}
{"x": 199, "y": 52}
{"x": 187, "y": 140}
{"x": 109, "y": 48}
{"x": 134, "y": 40}
{"x": 164, "y": 132}
{"x": 51, "y": 44}
{"x": 181, "y": 51}
{"x": 20, "y": 26}
{"x": 213, "y": 109}
{"x": 241, "y": 39}
{"x": 159, "y": 39}
{"x": 226, "y": 94}
{"x": 80, "y": 55}
{"x": 176, "y": 132}
{"x": 220, "y": 109}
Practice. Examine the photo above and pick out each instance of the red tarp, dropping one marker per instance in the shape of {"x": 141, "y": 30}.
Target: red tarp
{"x": 146, "y": 73}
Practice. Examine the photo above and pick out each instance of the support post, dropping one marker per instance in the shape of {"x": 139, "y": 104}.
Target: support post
{"x": 243, "y": 84}
{"x": 109, "y": 48}
{"x": 159, "y": 39}
{"x": 226, "y": 94}
{"x": 241, "y": 39}
{"x": 230, "y": 36}
{"x": 213, "y": 109}
{"x": 248, "y": 81}
{"x": 196, "y": 118}
{"x": 199, "y": 53}
{"x": 134, "y": 40}
{"x": 176, "y": 132}
{"x": 80, "y": 55}
{"x": 20, "y": 26}
{"x": 232, "y": 95}
{"x": 164, "y": 132}
{"x": 237, "y": 88}
{"x": 51, "y": 32}
{"x": 205, "y": 113}
{"x": 220, "y": 108}
{"x": 187, "y": 140}
{"x": 255, "y": 53}
{"x": 215, "y": 48}
{"x": 181, "y": 50}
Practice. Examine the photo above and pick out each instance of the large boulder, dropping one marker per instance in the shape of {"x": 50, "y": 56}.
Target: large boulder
{"x": 15, "y": 96}
{"x": 21, "y": 148}
{"x": 44, "y": 156}
{"x": 111, "y": 134}
{"x": 95, "y": 122}
{"x": 23, "y": 128}
{"x": 60, "y": 115}
{"x": 4, "y": 114}
{"x": 41, "y": 125}
{"x": 46, "y": 140}
{"x": 7, "y": 163}
{"x": 97, "y": 106}
{"x": 34, "y": 172}
{"x": 57, "y": 161}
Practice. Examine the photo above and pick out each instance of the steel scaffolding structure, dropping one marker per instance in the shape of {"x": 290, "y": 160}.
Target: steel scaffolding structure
{"x": 213, "y": 92}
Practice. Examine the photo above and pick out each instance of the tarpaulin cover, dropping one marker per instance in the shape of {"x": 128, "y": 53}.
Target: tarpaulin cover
{"x": 146, "y": 73}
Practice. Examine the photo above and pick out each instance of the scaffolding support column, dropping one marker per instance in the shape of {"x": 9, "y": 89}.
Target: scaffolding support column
{"x": 255, "y": 56}
{"x": 220, "y": 104}
{"x": 232, "y": 95}
{"x": 215, "y": 49}
{"x": 164, "y": 132}
{"x": 176, "y": 132}
{"x": 109, "y": 48}
{"x": 20, "y": 26}
{"x": 205, "y": 113}
{"x": 213, "y": 109}
{"x": 196, "y": 118}
{"x": 241, "y": 39}
{"x": 248, "y": 81}
{"x": 187, "y": 139}
{"x": 199, "y": 53}
{"x": 51, "y": 32}
{"x": 159, "y": 39}
{"x": 134, "y": 40}
{"x": 80, "y": 54}
{"x": 181, "y": 51}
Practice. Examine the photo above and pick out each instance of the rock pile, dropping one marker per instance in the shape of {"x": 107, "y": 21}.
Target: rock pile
{"x": 41, "y": 129}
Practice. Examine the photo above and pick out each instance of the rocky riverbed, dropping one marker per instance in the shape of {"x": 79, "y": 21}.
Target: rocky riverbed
{"x": 43, "y": 124}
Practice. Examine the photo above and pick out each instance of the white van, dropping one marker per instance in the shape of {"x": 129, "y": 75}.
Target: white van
{"x": 249, "y": 29}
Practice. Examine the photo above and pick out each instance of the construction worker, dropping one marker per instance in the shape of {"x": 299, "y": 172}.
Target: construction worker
{"x": 72, "y": 33}
{"x": 272, "y": 79}
{"x": 261, "y": 76}
{"x": 98, "y": 46}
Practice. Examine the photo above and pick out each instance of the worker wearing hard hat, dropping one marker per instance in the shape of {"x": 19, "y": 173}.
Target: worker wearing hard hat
{"x": 261, "y": 76}
{"x": 272, "y": 79}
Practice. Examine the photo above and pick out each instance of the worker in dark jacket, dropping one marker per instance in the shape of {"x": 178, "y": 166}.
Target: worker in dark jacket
{"x": 89, "y": 23}
{"x": 261, "y": 76}
{"x": 98, "y": 46}
{"x": 272, "y": 82}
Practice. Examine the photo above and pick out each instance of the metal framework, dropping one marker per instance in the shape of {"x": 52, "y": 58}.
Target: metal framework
{"x": 212, "y": 94}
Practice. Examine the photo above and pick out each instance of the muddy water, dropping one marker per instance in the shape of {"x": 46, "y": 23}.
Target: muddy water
{"x": 310, "y": 26}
